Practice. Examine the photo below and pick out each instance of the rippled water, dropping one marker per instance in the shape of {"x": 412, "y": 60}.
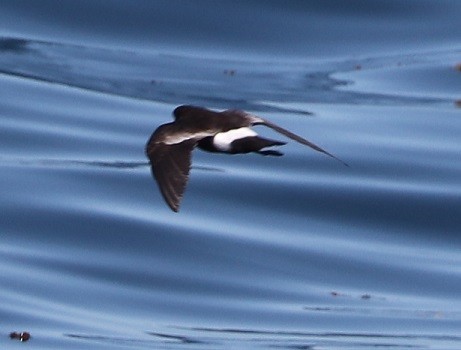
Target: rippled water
{"x": 294, "y": 252}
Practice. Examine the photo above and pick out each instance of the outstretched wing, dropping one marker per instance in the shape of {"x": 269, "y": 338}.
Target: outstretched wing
{"x": 296, "y": 137}
{"x": 170, "y": 165}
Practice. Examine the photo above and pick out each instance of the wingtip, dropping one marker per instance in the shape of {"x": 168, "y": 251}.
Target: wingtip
{"x": 343, "y": 162}
{"x": 338, "y": 159}
{"x": 173, "y": 205}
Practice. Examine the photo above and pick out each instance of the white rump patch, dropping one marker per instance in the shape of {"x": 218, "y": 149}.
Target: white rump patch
{"x": 223, "y": 140}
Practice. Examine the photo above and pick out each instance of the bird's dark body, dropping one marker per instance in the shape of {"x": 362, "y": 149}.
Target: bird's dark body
{"x": 202, "y": 118}
{"x": 192, "y": 120}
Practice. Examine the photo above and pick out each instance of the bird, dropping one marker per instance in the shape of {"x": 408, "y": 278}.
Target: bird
{"x": 169, "y": 149}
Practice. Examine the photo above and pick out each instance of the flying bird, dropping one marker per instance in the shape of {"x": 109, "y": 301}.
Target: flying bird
{"x": 170, "y": 147}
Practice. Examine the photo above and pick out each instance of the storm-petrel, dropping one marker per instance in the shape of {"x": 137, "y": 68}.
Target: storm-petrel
{"x": 169, "y": 149}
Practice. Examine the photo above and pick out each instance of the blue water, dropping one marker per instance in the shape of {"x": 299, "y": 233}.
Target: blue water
{"x": 294, "y": 252}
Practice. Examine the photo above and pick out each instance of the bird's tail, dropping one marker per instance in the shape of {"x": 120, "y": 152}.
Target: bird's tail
{"x": 296, "y": 138}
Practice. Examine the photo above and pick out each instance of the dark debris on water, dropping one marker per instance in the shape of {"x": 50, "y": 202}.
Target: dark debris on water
{"x": 21, "y": 336}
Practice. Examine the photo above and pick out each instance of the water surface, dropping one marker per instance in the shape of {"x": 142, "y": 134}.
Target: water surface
{"x": 291, "y": 252}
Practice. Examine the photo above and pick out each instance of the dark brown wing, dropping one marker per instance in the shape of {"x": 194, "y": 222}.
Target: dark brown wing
{"x": 170, "y": 165}
{"x": 296, "y": 138}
